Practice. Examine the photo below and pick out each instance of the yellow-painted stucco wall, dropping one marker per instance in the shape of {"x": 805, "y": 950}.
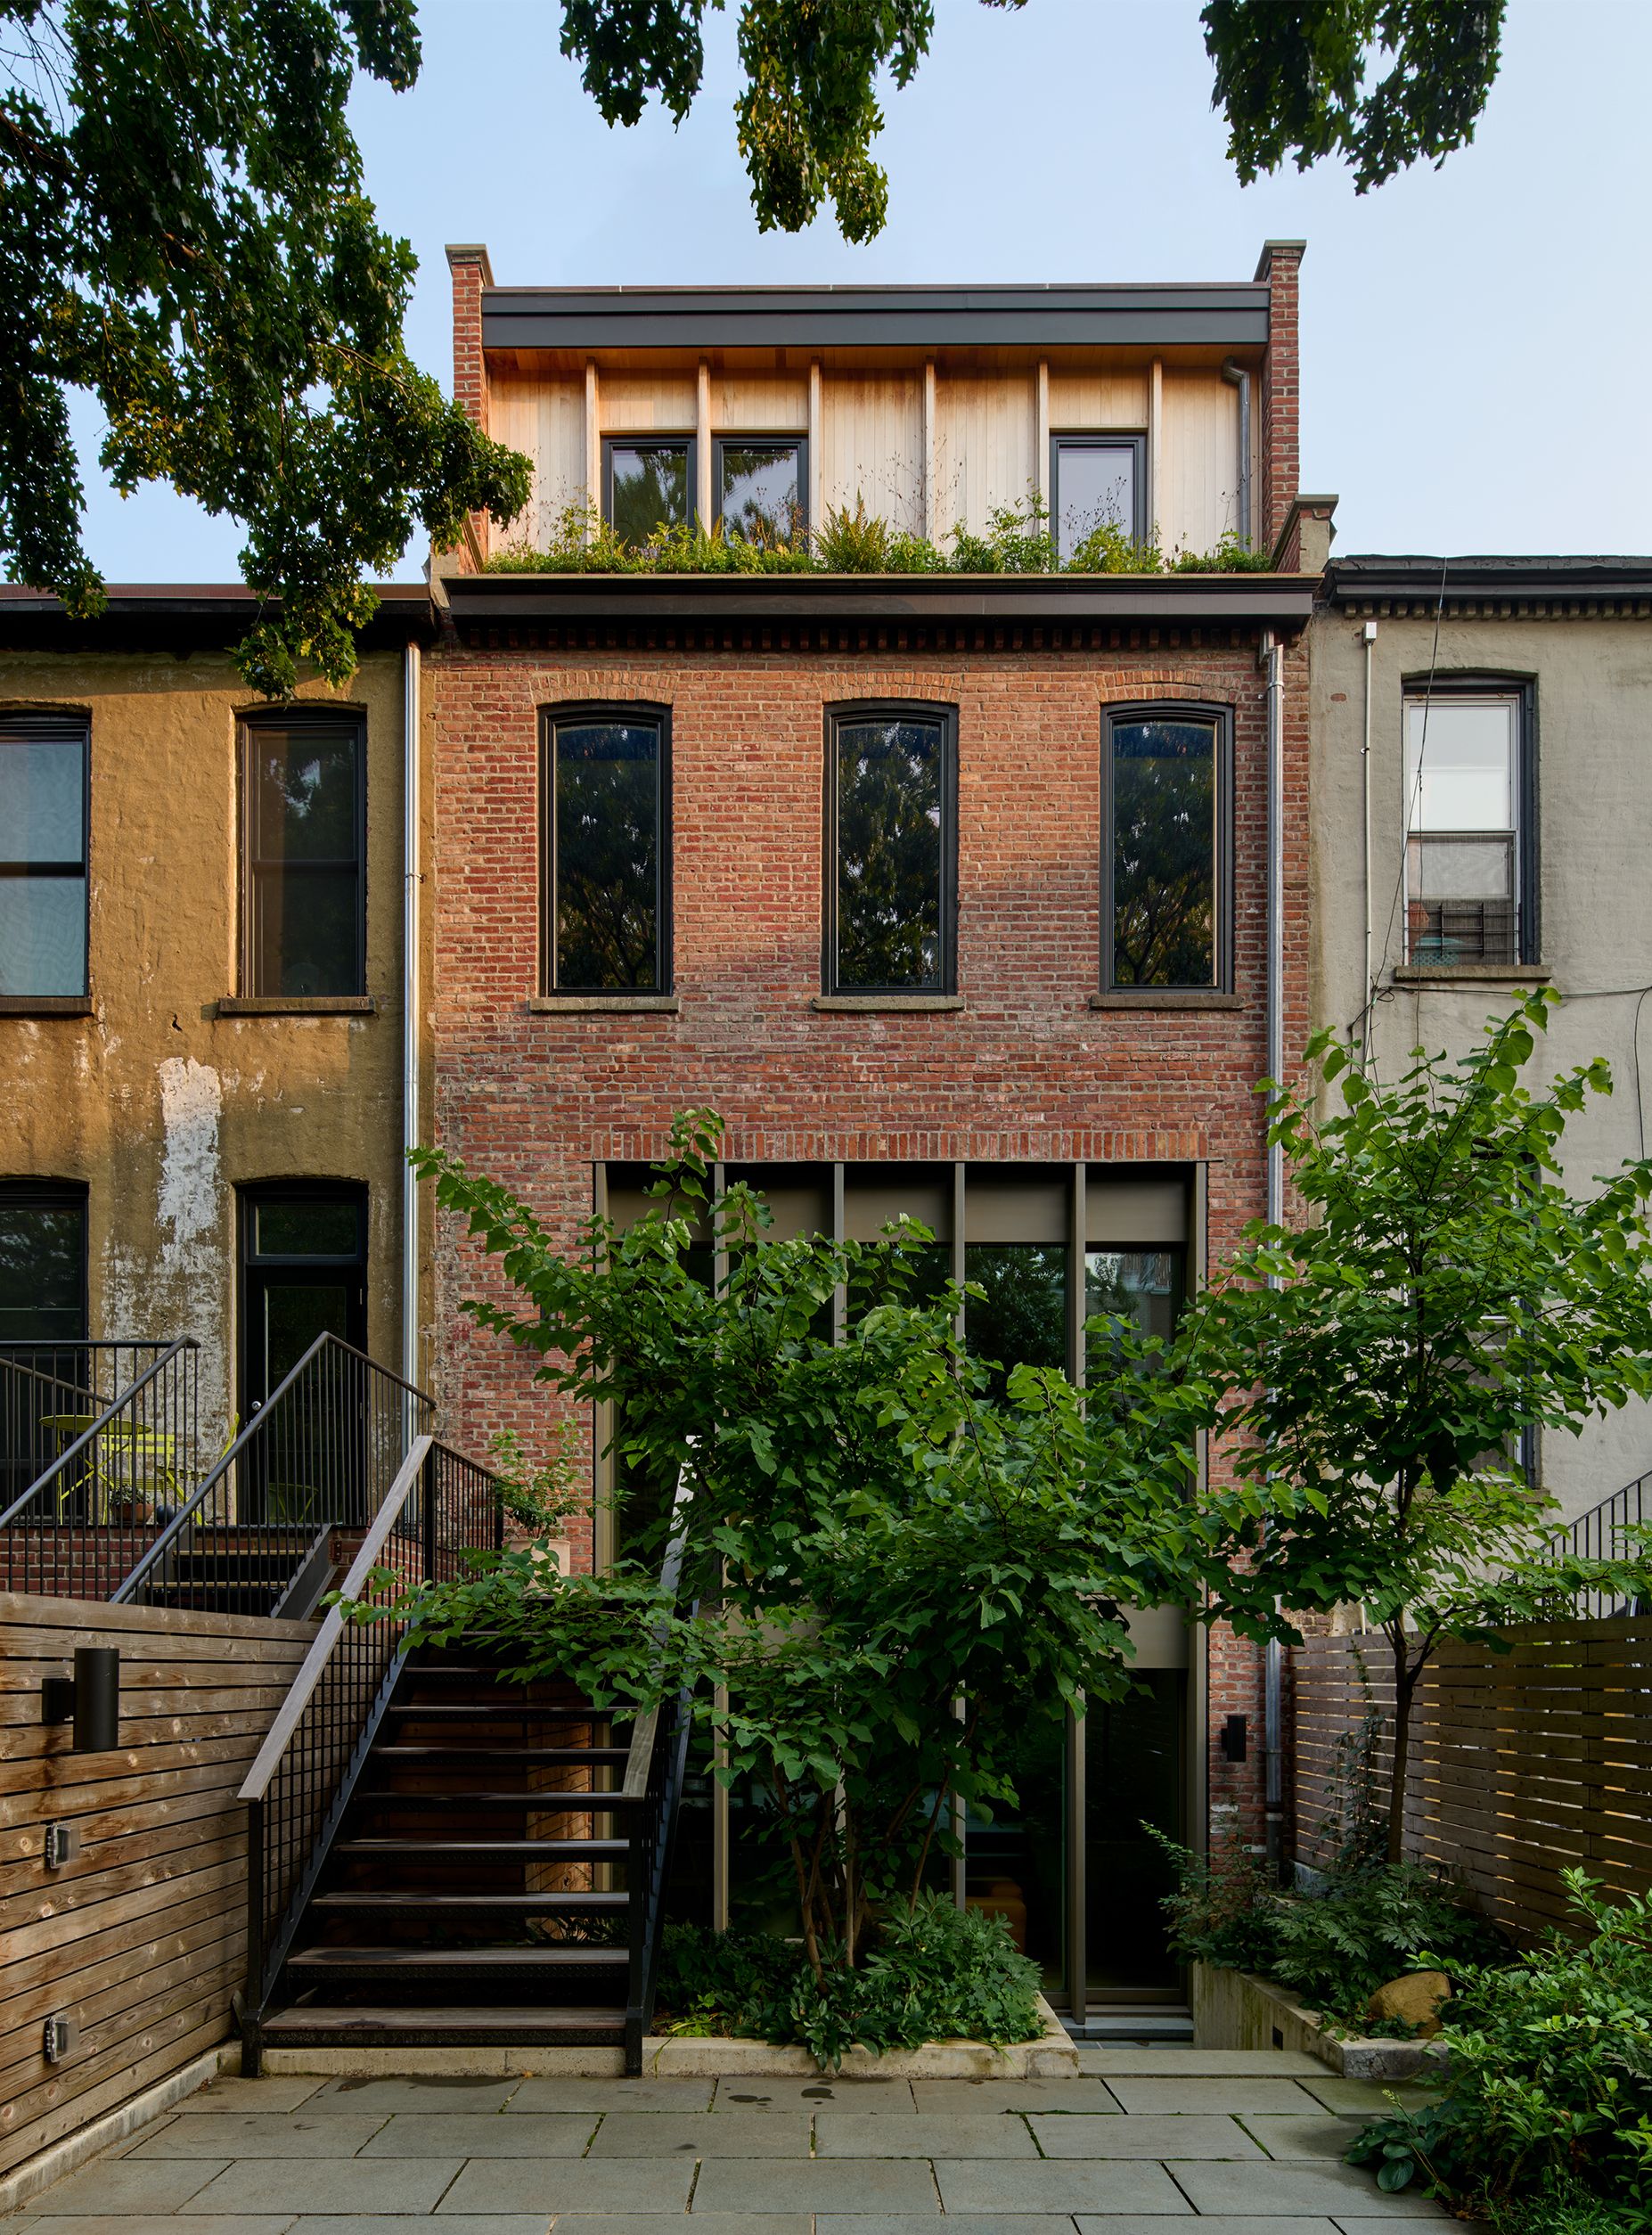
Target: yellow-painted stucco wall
{"x": 159, "y": 1103}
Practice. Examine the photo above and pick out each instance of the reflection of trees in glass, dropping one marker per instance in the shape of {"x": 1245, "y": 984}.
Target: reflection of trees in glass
{"x": 890, "y": 776}
{"x": 915, "y": 1277}
{"x": 1163, "y": 854}
{"x": 306, "y": 795}
{"x": 1096, "y": 487}
{"x": 759, "y": 494}
{"x": 649, "y": 488}
{"x": 1137, "y": 1289}
{"x": 306, "y": 932}
{"x": 607, "y": 855}
{"x": 1021, "y": 1320}
{"x": 40, "y": 1279}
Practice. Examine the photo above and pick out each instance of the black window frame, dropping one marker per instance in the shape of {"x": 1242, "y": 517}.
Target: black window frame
{"x": 646, "y": 440}
{"x": 27, "y": 1192}
{"x": 632, "y": 712}
{"x": 1127, "y": 713}
{"x": 845, "y": 712}
{"x": 1098, "y": 438}
{"x": 19, "y": 725}
{"x": 729, "y": 439}
{"x": 292, "y": 719}
{"x": 1519, "y": 687}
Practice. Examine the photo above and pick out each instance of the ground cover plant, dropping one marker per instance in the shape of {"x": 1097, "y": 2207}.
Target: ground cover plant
{"x": 1546, "y": 2121}
{"x": 1017, "y": 540}
{"x": 872, "y": 1529}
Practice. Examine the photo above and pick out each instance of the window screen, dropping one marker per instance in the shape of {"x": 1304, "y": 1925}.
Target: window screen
{"x": 1462, "y": 830}
{"x": 43, "y": 856}
{"x": 891, "y": 842}
{"x": 1165, "y": 784}
{"x": 305, "y": 901}
{"x": 604, "y": 791}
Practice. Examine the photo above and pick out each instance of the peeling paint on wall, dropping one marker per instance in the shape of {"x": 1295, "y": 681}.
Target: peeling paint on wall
{"x": 192, "y": 1103}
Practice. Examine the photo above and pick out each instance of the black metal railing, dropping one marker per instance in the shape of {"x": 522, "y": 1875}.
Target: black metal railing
{"x": 441, "y": 1506}
{"x": 1611, "y": 1530}
{"x": 320, "y": 1457}
{"x": 107, "y": 1436}
{"x": 656, "y": 1766}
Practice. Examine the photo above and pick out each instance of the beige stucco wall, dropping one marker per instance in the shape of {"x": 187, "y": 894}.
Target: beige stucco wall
{"x": 1594, "y": 759}
{"x": 158, "y": 1104}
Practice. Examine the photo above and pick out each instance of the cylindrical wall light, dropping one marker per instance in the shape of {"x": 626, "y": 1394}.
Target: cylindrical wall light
{"x": 91, "y": 1698}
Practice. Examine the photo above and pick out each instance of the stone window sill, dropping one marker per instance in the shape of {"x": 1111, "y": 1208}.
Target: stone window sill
{"x": 1154, "y": 1000}
{"x": 884, "y": 1004}
{"x": 1472, "y": 974}
{"x": 298, "y": 1005}
{"x": 602, "y": 1005}
{"x": 45, "y": 1005}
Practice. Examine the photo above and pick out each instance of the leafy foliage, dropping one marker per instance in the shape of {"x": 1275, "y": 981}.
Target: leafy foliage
{"x": 1378, "y": 1364}
{"x": 1549, "y": 2114}
{"x": 1307, "y": 79}
{"x": 868, "y": 1538}
{"x": 1017, "y": 540}
{"x": 184, "y": 233}
{"x": 933, "y": 1973}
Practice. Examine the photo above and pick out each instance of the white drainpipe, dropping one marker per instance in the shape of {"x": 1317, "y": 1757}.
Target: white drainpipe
{"x": 411, "y": 882}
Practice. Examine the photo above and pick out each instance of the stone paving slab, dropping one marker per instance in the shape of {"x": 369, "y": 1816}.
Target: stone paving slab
{"x": 261, "y": 2135}
{"x": 1146, "y": 2134}
{"x": 1073, "y": 2185}
{"x": 698, "y": 2224}
{"x": 1112, "y": 2223}
{"x": 527, "y": 2184}
{"x": 957, "y": 2223}
{"x": 537, "y": 2098}
{"x": 69, "y": 2223}
{"x": 336, "y": 2097}
{"x": 478, "y": 2134}
{"x": 1296, "y": 2136}
{"x": 1288, "y": 2190}
{"x": 1239, "y": 2093}
{"x": 927, "y": 2135}
{"x": 326, "y": 2184}
{"x": 123, "y": 2185}
{"x": 727, "y": 2185}
{"x": 819, "y": 2094}
{"x": 1013, "y": 2095}
{"x": 1173, "y": 2062}
{"x": 1368, "y": 2099}
{"x": 397, "y": 2224}
{"x": 230, "y": 2092}
{"x": 657, "y": 2134}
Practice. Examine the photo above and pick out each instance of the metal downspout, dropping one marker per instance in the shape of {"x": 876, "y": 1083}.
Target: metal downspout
{"x": 1236, "y": 376}
{"x": 1368, "y": 989}
{"x": 411, "y": 884}
{"x": 1273, "y": 1660}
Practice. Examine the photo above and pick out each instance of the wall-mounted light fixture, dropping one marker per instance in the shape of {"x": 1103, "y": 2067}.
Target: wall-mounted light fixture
{"x": 1234, "y": 1732}
{"x": 90, "y": 1699}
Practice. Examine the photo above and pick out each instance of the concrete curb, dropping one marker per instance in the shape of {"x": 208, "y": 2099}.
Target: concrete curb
{"x": 87, "y": 2142}
{"x": 1237, "y": 2010}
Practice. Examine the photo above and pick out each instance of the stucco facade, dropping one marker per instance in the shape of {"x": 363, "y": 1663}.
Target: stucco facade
{"x": 1575, "y": 637}
{"x": 153, "y": 1093}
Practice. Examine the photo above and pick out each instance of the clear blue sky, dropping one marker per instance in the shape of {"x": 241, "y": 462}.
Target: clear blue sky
{"x": 1475, "y": 339}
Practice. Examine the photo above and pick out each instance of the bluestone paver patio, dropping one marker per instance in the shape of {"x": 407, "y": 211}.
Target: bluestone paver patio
{"x": 1231, "y": 2143}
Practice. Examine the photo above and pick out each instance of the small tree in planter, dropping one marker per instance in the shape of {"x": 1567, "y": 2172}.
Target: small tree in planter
{"x": 1380, "y": 1365}
{"x": 885, "y": 1570}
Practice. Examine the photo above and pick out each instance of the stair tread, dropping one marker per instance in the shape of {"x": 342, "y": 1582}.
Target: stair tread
{"x": 549, "y": 1798}
{"x": 561, "y": 1957}
{"x": 497, "y": 1711}
{"x": 470, "y": 1850}
{"x": 525, "y": 1903}
{"x": 570, "y": 1756}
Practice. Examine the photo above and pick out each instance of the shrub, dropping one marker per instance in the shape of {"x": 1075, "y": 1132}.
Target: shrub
{"x": 1550, "y": 2108}
{"x": 933, "y": 1973}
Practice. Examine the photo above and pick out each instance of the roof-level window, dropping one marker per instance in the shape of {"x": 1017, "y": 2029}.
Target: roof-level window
{"x": 761, "y": 487}
{"x": 1096, "y": 482}
{"x": 648, "y": 485}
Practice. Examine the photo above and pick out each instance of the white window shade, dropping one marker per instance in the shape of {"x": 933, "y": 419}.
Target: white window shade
{"x": 1462, "y": 830}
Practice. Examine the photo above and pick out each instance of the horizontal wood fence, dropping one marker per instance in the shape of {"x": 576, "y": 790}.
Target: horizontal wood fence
{"x": 1522, "y": 1764}
{"x": 139, "y": 1937}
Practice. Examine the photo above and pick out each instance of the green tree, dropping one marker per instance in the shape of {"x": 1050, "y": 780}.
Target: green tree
{"x": 183, "y": 234}
{"x": 1380, "y": 1365}
{"x": 869, "y": 1537}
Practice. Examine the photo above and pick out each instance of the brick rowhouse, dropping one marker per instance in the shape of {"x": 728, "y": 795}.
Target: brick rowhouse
{"x": 1026, "y": 1069}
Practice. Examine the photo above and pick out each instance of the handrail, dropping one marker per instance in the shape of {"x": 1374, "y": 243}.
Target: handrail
{"x": 256, "y": 1783}
{"x": 89, "y": 1435}
{"x": 260, "y": 1425}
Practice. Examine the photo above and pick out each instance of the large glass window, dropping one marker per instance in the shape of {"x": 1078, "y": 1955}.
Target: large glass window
{"x": 1095, "y": 482}
{"x": 1139, "y": 1288}
{"x": 1165, "y": 785}
{"x": 760, "y": 488}
{"x": 304, "y": 820}
{"x": 42, "y": 1262}
{"x": 1463, "y": 850}
{"x": 604, "y": 789}
{"x": 649, "y": 486}
{"x": 43, "y": 856}
{"x": 1020, "y": 1319}
{"x": 889, "y": 879}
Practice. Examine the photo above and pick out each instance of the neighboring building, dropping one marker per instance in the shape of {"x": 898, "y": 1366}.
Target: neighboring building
{"x": 652, "y": 887}
{"x": 201, "y": 970}
{"x": 1482, "y": 791}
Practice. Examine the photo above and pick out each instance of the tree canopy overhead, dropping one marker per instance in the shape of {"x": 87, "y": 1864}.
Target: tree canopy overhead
{"x": 185, "y": 236}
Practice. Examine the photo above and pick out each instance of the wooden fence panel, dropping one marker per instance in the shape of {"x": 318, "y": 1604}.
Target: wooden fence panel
{"x": 1522, "y": 1763}
{"x": 140, "y": 1936}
